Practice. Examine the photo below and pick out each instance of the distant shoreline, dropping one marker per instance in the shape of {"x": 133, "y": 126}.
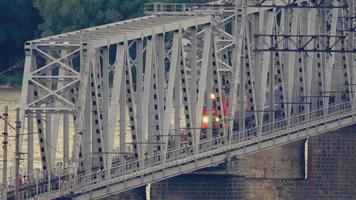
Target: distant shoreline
{"x": 11, "y": 79}
{"x": 9, "y": 86}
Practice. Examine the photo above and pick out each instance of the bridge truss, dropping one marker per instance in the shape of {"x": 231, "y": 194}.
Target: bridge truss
{"x": 185, "y": 87}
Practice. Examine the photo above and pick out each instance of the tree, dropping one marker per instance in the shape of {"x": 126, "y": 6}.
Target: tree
{"x": 67, "y": 15}
{"x": 18, "y": 23}
{"x": 22, "y": 20}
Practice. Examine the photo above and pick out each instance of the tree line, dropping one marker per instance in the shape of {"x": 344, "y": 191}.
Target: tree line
{"x": 22, "y": 20}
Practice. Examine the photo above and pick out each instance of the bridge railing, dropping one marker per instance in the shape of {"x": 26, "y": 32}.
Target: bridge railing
{"x": 290, "y": 124}
{"x": 124, "y": 171}
{"x": 171, "y": 8}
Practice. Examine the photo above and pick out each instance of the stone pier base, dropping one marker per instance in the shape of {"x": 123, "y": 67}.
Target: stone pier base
{"x": 134, "y": 194}
{"x": 274, "y": 174}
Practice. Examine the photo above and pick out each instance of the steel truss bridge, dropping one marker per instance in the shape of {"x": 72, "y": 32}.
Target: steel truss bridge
{"x": 185, "y": 87}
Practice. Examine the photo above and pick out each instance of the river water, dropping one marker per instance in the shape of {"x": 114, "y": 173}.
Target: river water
{"x": 11, "y": 98}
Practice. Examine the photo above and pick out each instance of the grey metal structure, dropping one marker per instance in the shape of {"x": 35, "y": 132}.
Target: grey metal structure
{"x": 185, "y": 87}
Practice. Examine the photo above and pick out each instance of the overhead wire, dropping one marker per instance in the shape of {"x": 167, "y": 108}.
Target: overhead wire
{"x": 13, "y": 136}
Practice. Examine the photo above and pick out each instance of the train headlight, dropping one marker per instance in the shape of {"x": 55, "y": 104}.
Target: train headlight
{"x": 212, "y": 96}
{"x": 205, "y": 119}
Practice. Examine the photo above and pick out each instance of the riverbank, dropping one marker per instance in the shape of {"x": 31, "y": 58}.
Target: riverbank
{"x": 9, "y": 97}
{"x": 12, "y": 79}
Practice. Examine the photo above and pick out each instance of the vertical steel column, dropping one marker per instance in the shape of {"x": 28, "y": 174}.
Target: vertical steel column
{"x": 299, "y": 88}
{"x": 242, "y": 81}
{"x": 122, "y": 102}
{"x": 48, "y": 125}
{"x": 96, "y": 102}
{"x": 65, "y": 119}
{"x": 250, "y": 78}
{"x": 85, "y": 54}
{"x": 311, "y": 62}
{"x": 48, "y": 137}
{"x": 285, "y": 29}
{"x": 17, "y": 155}
{"x": 323, "y": 61}
{"x": 304, "y": 64}
{"x": 170, "y": 90}
{"x": 26, "y": 95}
{"x": 4, "y": 161}
{"x": 203, "y": 78}
{"x": 65, "y": 139}
{"x": 28, "y": 68}
{"x": 272, "y": 70}
{"x": 161, "y": 84}
{"x": 177, "y": 94}
{"x": 331, "y": 61}
{"x": 131, "y": 100}
{"x": 266, "y": 61}
{"x": 30, "y": 144}
{"x": 320, "y": 64}
{"x": 86, "y": 154}
{"x": 30, "y": 134}
{"x": 139, "y": 91}
{"x": 154, "y": 108}
{"x": 184, "y": 83}
{"x": 48, "y": 122}
{"x": 257, "y": 67}
{"x": 209, "y": 103}
{"x": 238, "y": 27}
{"x": 72, "y": 95}
{"x": 117, "y": 97}
{"x": 122, "y": 114}
{"x": 194, "y": 74}
{"x": 216, "y": 90}
{"x": 147, "y": 91}
{"x": 39, "y": 123}
{"x": 105, "y": 110}
{"x": 291, "y": 28}
{"x": 95, "y": 129}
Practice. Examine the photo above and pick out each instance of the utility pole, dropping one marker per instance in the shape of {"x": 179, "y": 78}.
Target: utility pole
{"x": 4, "y": 166}
{"x": 17, "y": 155}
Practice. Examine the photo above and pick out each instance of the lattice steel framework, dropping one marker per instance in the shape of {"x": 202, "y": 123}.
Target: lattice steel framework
{"x": 188, "y": 74}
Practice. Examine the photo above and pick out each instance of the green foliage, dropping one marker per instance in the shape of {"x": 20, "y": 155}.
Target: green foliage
{"x": 18, "y": 22}
{"x": 67, "y": 15}
{"x": 22, "y": 20}
{"x": 183, "y": 1}
{"x": 13, "y": 78}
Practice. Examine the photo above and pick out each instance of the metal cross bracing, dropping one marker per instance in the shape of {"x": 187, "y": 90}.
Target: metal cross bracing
{"x": 170, "y": 93}
{"x": 317, "y": 4}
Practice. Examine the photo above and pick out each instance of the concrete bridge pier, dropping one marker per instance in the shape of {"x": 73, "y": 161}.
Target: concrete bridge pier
{"x": 135, "y": 194}
{"x": 327, "y": 171}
